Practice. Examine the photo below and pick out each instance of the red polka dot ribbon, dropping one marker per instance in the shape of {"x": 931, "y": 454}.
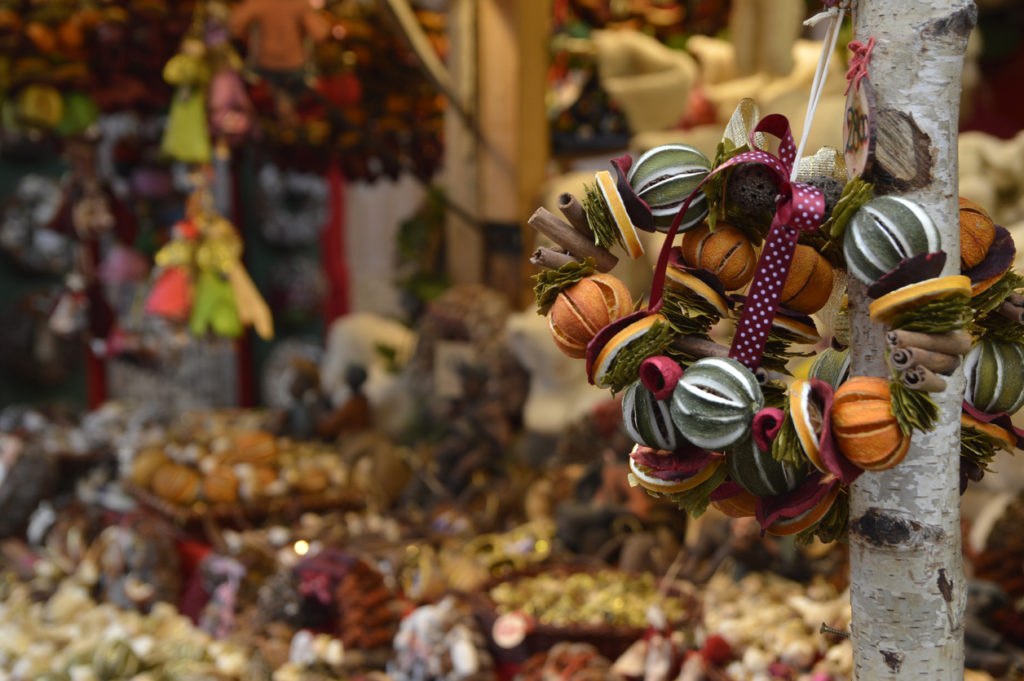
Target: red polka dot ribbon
{"x": 799, "y": 207}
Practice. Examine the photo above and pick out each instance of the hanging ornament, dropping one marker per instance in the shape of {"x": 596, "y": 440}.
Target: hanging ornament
{"x": 232, "y": 117}
{"x": 92, "y": 215}
{"x": 186, "y": 137}
{"x": 200, "y": 276}
{"x": 723, "y": 424}
{"x": 860, "y": 119}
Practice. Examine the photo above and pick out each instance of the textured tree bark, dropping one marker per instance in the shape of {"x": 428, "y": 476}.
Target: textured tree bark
{"x": 907, "y": 584}
{"x": 907, "y": 591}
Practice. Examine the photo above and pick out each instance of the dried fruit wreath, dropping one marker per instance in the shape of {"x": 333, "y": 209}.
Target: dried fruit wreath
{"x": 728, "y": 425}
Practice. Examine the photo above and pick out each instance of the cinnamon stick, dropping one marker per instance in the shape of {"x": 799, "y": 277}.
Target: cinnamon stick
{"x": 1012, "y": 312}
{"x": 563, "y": 234}
{"x": 550, "y": 258}
{"x": 939, "y": 362}
{"x": 957, "y": 343}
{"x": 765, "y": 376}
{"x": 573, "y": 211}
{"x": 700, "y": 347}
{"x": 1016, "y": 299}
{"x": 920, "y": 378}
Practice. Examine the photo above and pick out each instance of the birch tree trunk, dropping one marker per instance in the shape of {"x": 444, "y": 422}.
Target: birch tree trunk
{"x": 907, "y": 584}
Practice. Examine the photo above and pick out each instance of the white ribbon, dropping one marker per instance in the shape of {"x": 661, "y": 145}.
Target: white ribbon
{"x": 828, "y": 47}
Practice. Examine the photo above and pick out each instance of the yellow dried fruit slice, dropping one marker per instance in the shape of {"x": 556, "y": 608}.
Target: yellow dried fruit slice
{"x": 804, "y": 332}
{"x": 742, "y": 505}
{"x": 985, "y": 284}
{"x": 677, "y": 277}
{"x": 990, "y": 429}
{"x": 628, "y": 231}
{"x": 807, "y": 420}
{"x": 789, "y": 526}
{"x": 619, "y": 341}
{"x": 668, "y": 486}
{"x": 906, "y": 297}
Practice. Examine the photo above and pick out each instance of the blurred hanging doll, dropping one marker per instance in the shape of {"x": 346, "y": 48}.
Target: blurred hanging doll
{"x": 186, "y": 137}
{"x": 278, "y": 49}
{"x": 231, "y": 114}
{"x": 95, "y": 217}
{"x": 202, "y": 278}
{"x": 283, "y": 27}
{"x": 171, "y": 294}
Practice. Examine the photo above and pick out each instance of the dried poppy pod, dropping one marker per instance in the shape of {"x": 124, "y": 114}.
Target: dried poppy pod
{"x": 647, "y": 419}
{"x": 885, "y": 231}
{"x": 664, "y": 178}
{"x": 977, "y": 233}
{"x": 865, "y": 429}
{"x": 995, "y": 376}
{"x": 809, "y": 283}
{"x": 725, "y": 252}
{"x": 714, "y": 403}
{"x": 584, "y": 308}
{"x": 758, "y": 472}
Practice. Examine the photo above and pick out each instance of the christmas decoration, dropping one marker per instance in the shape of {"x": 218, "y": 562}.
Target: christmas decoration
{"x": 724, "y": 424}
{"x": 200, "y": 276}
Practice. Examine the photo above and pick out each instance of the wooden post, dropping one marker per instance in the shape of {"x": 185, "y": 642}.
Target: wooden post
{"x": 500, "y": 170}
{"x": 906, "y": 569}
{"x": 465, "y": 241}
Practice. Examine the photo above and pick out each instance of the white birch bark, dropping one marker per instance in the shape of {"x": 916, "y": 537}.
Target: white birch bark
{"x": 907, "y": 584}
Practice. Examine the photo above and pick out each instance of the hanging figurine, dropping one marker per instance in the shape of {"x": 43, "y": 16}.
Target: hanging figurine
{"x": 171, "y": 294}
{"x": 279, "y": 51}
{"x": 201, "y": 277}
{"x": 94, "y": 216}
{"x": 231, "y": 115}
{"x": 186, "y": 137}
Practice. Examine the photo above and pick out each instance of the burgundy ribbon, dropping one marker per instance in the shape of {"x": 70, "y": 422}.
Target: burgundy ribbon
{"x": 659, "y": 375}
{"x": 799, "y": 207}
{"x": 766, "y": 426}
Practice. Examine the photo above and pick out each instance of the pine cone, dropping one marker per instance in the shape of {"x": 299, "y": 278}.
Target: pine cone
{"x": 368, "y": 617}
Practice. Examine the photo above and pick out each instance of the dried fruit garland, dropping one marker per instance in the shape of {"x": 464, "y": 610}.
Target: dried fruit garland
{"x": 725, "y": 425}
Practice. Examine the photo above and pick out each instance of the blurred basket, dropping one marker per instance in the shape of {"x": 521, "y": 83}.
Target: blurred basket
{"x": 610, "y": 640}
{"x": 243, "y": 513}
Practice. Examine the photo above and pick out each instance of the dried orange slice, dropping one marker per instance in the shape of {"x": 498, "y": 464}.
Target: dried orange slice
{"x": 907, "y": 297}
{"x": 807, "y": 420}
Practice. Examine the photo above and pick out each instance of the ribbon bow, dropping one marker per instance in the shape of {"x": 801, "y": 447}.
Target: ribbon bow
{"x": 799, "y": 207}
